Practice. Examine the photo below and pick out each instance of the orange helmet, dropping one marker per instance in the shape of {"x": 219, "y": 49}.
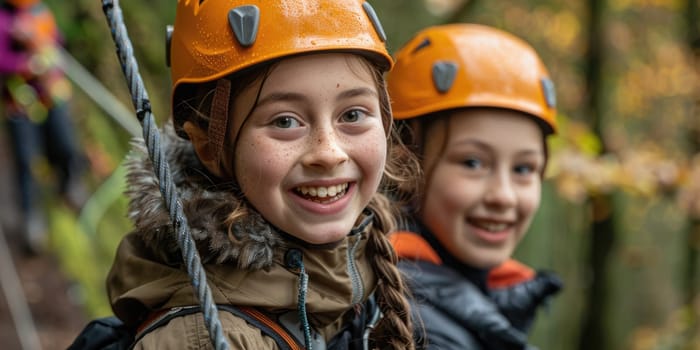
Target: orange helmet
{"x": 214, "y": 38}
{"x": 468, "y": 65}
{"x": 22, "y": 3}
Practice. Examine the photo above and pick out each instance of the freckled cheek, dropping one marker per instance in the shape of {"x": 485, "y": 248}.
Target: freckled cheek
{"x": 258, "y": 162}
{"x": 372, "y": 154}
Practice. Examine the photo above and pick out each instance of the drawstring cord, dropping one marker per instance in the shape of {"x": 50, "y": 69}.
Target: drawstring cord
{"x": 303, "y": 285}
{"x": 295, "y": 260}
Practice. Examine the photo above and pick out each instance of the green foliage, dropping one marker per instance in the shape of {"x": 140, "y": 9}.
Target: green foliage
{"x": 78, "y": 260}
{"x": 85, "y": 245}
{"x": 644, "y": 154}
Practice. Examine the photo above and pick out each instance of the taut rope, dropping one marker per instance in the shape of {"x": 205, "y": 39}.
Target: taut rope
{"x": 139, "y": 98}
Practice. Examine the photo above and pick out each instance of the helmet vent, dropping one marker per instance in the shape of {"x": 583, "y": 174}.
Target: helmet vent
{"x": 244, "y": 21}
{"x": 444, "y": 73}
{"x": 369, "y": 10}
{"x": 423, "y": 44}
{"x": 550, "y": 95}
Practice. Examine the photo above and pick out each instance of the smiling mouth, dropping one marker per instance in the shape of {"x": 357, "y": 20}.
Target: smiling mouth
{"x": 322, "y": 194}
{"x": 490, "y": 226}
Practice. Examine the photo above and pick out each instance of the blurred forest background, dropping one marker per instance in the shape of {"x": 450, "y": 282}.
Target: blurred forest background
{"x": 620, "y": 220}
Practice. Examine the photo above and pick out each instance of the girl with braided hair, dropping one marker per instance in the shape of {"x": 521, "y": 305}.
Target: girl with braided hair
{"x": 283, "y": 153}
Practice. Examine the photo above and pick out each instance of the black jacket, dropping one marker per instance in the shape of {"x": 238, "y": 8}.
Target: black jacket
{"x": 456, "y": 311}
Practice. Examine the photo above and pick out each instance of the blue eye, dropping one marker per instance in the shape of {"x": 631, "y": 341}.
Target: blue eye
{"x": 472, "y": 163}
{"x": 353, "y": 116}
{"x": 285, "y": 122}
{"x": 524, "y": 169}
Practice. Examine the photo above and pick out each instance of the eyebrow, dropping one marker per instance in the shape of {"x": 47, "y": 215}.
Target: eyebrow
{"x": 361, "y": 91}
{"x": 280, "y": 96}
{"x": 294, "y": 96}
{"x": 474, "y": 142}
{"x": 485, "y": 146}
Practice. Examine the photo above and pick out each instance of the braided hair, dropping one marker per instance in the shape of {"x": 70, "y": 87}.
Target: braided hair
{"x": 395, "y": 330}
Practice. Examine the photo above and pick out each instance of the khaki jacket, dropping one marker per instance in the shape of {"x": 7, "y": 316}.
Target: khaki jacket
{"x": 247, "y": 268}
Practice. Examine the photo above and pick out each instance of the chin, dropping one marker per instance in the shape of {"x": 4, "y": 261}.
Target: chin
{"x": 330, "y": 236}
{"x": 488, "y": 261}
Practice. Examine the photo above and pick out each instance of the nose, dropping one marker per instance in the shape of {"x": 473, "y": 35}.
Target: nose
{"x": 500, "y": 191}
{"x": 325, "y": 150}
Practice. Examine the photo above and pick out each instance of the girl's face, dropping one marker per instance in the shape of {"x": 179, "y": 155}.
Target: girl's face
{"x": 484, "y": 187}
{"x": 312, "y": 152}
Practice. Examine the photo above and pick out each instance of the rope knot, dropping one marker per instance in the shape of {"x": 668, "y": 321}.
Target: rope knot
{"x": 107, "y": 4}
{"x": 143, "y": 109}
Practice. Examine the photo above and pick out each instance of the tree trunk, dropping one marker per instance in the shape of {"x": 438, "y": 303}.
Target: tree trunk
{"x": 603, "y": 235}
{"x": 692, "y": 242}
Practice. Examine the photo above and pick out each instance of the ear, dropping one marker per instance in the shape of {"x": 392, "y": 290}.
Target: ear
{"x": 204, "y": 149}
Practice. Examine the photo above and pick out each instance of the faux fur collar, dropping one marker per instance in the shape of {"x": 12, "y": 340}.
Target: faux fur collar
{"x": 206, "y": 204}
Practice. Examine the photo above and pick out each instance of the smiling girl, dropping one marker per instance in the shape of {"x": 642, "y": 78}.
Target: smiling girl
{"x": 478, "y": 105}
{"x": 281, "y": 164}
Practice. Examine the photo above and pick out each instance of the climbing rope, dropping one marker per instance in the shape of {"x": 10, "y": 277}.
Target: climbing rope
{"x": 139, "y": 98}
{"x": 303, "y": 288}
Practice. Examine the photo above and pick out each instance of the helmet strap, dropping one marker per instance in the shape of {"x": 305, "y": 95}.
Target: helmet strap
{"x": 218, "y": 117}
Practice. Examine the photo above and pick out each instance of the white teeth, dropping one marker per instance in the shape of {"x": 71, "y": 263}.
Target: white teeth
{"x": 493, "y": 227}
{"x": 323, "y": 192}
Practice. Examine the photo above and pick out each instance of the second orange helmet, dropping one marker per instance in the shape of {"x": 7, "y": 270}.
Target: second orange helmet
{"x": 469, "y": 65}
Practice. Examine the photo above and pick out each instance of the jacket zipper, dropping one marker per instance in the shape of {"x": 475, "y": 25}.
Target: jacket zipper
{"x": 358, "y": 289}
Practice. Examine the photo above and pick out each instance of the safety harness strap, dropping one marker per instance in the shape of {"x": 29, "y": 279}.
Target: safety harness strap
{"x": 251, "y": 315}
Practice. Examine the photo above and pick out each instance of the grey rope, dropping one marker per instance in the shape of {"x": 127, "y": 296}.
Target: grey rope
{"x": 303, "y": 287}
{"x": 139, "y": 98}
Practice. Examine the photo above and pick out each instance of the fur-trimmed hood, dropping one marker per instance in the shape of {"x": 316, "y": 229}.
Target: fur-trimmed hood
{"x": 206, "y": 205}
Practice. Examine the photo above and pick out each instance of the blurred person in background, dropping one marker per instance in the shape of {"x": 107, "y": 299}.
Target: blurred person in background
{"x": 34, "y": 99}
{"x": 477, "y": 105}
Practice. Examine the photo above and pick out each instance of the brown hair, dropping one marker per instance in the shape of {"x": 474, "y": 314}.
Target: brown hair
{"x": 395, "y": 329}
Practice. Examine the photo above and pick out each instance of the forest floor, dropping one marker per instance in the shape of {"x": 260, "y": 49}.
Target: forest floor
{"x": 56, "y": 315}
